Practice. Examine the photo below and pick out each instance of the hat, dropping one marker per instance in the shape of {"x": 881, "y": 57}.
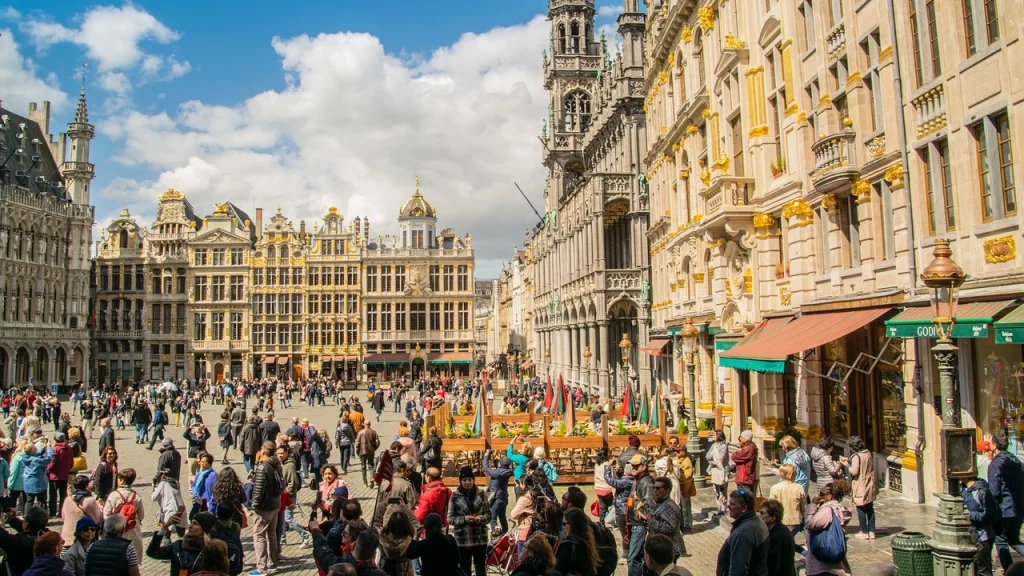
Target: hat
{"x": 340, "y": 492}
{"x": 85, "y": 522}
{"x": 206, "y": 520}
{"x": 634, "y": 440}
{"x": 60, "y": 437}
{"x": 538, "y": 452}
{"x": 167, "y": 443}
{"x": 638, "y": 460}
{"x": 432, "y": 521}
{"x": 747, "y": 435}
{"x": 466, "y": 472}
{"x": 984, "y": 446}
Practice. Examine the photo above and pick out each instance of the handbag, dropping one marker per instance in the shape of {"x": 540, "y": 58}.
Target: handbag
{"x": 829, "y": 543}
{"x": 595, "y": 509}
{"x": 241, "y": 512}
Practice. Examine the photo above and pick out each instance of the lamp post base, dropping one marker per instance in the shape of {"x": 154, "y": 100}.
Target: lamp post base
{"x": 953, "y": 548}
{"x": 694, "y": 450}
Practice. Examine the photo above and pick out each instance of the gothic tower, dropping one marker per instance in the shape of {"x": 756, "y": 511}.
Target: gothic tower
{"x": 572, "y": 66}
{"x": 77, "y": 170}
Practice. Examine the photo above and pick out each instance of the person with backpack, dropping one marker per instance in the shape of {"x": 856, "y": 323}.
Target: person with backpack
{"x": 113, "y": 554}
{"x": 230, "y": 533}
{"x": 344, "y": 437}
{"x": 432, "y": 450}
{"x": 826, "y": 539}
{"x": 266, "y": 502}
{"x": 984, "y": 514}
{"x": 184, "y": 554}
{"x": 160, "y": 420}
{"x": 127, "y": 502}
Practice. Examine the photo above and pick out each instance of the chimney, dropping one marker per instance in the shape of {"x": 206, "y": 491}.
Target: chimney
{"x": 358, "y": 227}
{"x": 366, "y": 228}
{"x": 302, "y": 231}
{"x": 259, "y": 222}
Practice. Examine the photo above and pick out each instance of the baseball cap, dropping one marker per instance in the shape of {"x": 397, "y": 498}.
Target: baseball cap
{"x": 638, "y": 460}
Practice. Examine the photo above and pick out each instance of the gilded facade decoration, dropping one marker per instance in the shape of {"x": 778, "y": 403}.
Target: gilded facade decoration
{"x": 1002, "y": 249}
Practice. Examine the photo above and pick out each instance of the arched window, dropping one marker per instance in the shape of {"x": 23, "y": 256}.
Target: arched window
{"x": 577, "y": 111}
{"x": 574, "y": 37}
{"x": 680, "y": 78}
{"x": 17, "y": 304}
{"x": 3, "y": 305}
{"x": 698, "y": 54}
{"x": 123, "y": 239}
{"x": 561, "y": 38}
{"x": 271, "y": 254}
{"x": 28, "y": 306}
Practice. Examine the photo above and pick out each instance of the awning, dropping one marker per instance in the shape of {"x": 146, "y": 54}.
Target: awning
{"x": 269, "y": 359}
{"x": 1010, "y": 330}
{"x": 386, "y": 359}
{"x": 326, "y": 357}
{"x": 655, "y": 347}
{"x": 768, "y": 346}
{"x": 451, "y": 358}
{"x": 282, "y": 359}
{"x": 972, "y": 320}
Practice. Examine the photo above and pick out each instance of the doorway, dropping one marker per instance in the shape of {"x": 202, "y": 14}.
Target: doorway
{"x": 218, "y": 372}
{"x": 417, "y": 368}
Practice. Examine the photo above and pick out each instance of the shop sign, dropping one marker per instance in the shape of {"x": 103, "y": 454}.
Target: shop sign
{"x": 927, "y": 330}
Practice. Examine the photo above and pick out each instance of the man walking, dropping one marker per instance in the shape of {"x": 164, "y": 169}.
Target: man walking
{"x": 141, "y": 417}
{"x": 160, "y": 419}
{"x": 237, "y": 422}
{"x": 367, "y": 443}
{"x": 637, "y": 514}
{"x": 266, "y": 502}
{"x": 1006, "y": 484}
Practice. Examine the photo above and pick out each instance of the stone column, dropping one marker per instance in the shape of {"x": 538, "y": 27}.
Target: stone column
{"x": 600, "y": 242}
{"x": 604, "y": 384}
{"x": 592, "y": 382}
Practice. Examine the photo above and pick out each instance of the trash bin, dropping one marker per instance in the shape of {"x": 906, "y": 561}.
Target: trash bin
{"x": 911, "y": 555}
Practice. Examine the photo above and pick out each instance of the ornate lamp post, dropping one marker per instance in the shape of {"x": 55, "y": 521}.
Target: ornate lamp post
{"x": 689, "y": 335}
{"x": 586, "y": 366}
{"x": 952, "y": 545}
{"x": 625, "y": 345}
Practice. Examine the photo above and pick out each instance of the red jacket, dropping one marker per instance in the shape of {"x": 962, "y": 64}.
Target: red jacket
{"x": 746, "y": 464}
{"x": 60, "y": 467}
{"x": 434, "y": 498}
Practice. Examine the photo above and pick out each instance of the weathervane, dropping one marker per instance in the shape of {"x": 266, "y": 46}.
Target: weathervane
{"x": 85, "y": 65}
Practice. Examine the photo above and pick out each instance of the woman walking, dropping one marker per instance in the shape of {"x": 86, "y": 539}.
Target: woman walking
{"x": 865, "y": 487}
{"x": 718, "y": 466}
{"x": 825, "y": 510}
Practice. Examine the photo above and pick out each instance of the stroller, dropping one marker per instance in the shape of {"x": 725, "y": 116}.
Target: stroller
{"x": 502, "y": 559}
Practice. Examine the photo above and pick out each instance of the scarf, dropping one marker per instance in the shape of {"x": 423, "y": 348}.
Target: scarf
{"x": 193, "y": 543}
{"x": 80, "y": 495}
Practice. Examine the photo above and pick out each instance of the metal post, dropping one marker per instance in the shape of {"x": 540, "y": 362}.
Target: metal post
{"x": 693, "y": 436}
{"x": 953, "y": 548}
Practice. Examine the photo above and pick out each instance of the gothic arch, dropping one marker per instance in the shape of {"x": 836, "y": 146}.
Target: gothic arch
{"x": 561, "y": 38}
{"x": 576, "y": 111}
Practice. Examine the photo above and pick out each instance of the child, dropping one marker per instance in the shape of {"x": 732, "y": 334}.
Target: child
{"x": 984, "y": 514}
{"x": 791, "y": 496}
{"x": 118, "y": 502}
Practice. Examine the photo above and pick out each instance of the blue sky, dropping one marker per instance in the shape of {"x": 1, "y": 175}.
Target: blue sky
{"x": 304, "y": 105}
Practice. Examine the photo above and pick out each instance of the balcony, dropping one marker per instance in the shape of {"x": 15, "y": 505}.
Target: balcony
{"x": 119, "y": 334}
{"x": 930, "y": 111}
{"x": 836, "y": 42}
{"x": 207, "y": 345}
{"x": 727, "y": 203}
{"x": 419, "y": 335}
{"x": 621, "y": 280}
{"x": 835, "y": 160}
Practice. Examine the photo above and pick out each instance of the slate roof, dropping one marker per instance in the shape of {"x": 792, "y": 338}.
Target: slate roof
{"x": 35, "y": 160}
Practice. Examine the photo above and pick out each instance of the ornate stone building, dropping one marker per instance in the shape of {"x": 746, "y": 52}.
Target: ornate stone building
{"x": 45, "y": 234}
{"x": 218, "y": 284}
{"x": 334, "y": 291}
{"x": 119, "y": 290}
{"x": 418, "y": 297}
{"x": 484, "y": 294}
{"x": 591, "y": 259}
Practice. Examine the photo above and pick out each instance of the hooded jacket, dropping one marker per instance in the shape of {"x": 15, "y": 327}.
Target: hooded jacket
{"x": 47, "y": 566}
{"x": 36, "y": 481}
{"x": 60, "y": 467}
{"x": 1006, "y": 482}
{"x": 983, "y": 510}
{"x": 497, "y": 483}
{"x": 170, "y": 460}
{"x": 746, "y": 464}
{"x": 434, "y": 498}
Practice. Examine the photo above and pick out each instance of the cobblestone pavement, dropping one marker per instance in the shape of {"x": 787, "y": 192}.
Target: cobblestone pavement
{"x": 869, "y": 558}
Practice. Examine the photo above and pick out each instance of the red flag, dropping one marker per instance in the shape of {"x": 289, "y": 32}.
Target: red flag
{"x": 385, "y": 469}
{"x": 549, "y": 395}
{"x": 627, "y": 403}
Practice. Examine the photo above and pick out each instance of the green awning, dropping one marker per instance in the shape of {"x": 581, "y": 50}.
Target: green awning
{"x": 445, "y": 362}
{"x": 725, "y": 344}
{"x": 1010, "y": 330}
{"x": 674, "y": 331}
{"x": 972, "y": 320}
{"x": 762, "y": 332}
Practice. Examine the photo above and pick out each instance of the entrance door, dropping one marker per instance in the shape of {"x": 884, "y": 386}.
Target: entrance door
{"x": 296, "y": 373}
{"x": 417, "y": 368}
{"x": 218, "y": 372}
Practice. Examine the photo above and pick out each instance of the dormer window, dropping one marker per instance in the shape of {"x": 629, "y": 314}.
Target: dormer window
{"x": 574, "y": 38}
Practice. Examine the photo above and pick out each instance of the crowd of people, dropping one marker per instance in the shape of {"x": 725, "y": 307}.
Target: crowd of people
{"x": 66, "y": 517}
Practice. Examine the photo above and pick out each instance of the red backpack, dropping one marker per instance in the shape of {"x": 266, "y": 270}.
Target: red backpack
{"x": 127, "y": 509}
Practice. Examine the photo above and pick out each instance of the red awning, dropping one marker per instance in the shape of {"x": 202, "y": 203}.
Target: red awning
{"x": 655, "y": 347}
{"x": 326, "y": 357}
{"x": 527, "y": 366}
{"x": 767, "y": 346}
{"x": 282, "y": 359}
{"x": 269, "y": 359}
{"x": 388, "y": 358}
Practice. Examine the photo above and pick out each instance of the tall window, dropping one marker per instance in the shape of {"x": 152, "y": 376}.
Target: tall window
{"x": 850, "y": 228}
{"x": 385, "y": 316}
{"x": 218, "y": 256}
{"x": 371, "y": 317}
{"x": 776, "y": 101}
{"x": 353, "y": 276}
{"x": 435, "y": 277}
{"x": 561, "y": 39}
{"x": 995, "y": 167}
{"x": 449, "y": 316}
{"x": 824, "y": 251}
{"x": 577, "y": 111}
{"x": 991, "y": 21}
{"x": 400, "y": 324}
{"x": 806, "y": 29}
{"x": 218, "y": 288}
{"x": 915, "y": 40}
{"x": 399, "y": 278}
{"x": 933, "y": 36}
{"x": 968, "y": 10}
{"x": 200, "y": 321}
{"x": 217, "y": 326}
{"x": 449, "y": 278}
{"x": 698, "y": 55}
{"x": 463, "y": 278}
{"x": 463, "y": 316}
{"x": 736, "y": 128}
{"x": 201, "y": 289}
{"x": 946, "y": 182}
{"x": 115, "y": 278}
{"x": 201, "y": 257}
{"x": 371, "y": 278}
{"x": 236, "y": 325}
{"x": 236, "y": 256}
{"x": 237, "y": 293}
{"x": 886, "y": 228}
{"x": 385, "y": 278}
{"x": 870, "y": 49}
{"x": 435, "y": 316}
{"x": 418, "y": 316}
{"x": 158, "y": 317}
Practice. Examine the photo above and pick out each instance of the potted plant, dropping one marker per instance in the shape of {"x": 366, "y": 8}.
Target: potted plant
{"x": 778, "y": 168}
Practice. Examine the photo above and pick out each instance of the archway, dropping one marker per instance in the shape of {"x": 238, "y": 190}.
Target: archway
{"x": 77, "y": 363}
{"x": 622, "y": 319}
{"x": 60, "y": 366}
{"x": 4, "y": 363}
{"x": 22, "y": 367}
{"x": 417, "y": 368}
{"x": 218, "y": 372}
{"x": 41, "y": 372}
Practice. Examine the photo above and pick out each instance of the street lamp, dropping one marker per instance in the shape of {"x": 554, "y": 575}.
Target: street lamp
{"x": 689, "y": 335}
{"x": 625, "y": 345}
{"x": 586, "y": 366}
{"x": 953, "y": 548}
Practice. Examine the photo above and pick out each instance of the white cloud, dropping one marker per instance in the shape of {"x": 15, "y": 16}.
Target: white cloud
{"x": 21, "y": 82}
{"x": 115, "y": 82}
{"x": 609, "y": 11}
{"x": 353, "y": 125}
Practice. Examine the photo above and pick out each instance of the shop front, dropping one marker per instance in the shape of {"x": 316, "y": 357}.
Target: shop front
{"x": 451, "y": 364}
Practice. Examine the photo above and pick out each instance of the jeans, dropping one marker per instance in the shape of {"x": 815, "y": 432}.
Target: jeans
{"x": 264, "y": 539}
{"x": 247, "y": 461}
{"x": 140, "y": 431}
{"x": 87, "y": 427}
{"x": 307, "y": 461}
{"x": 236, "y": 431}
{"x": 983, "y": 561}
{"x": 291, "y": 524}
{"x": 620, "y": 523}
{"x": 687, "y": 516}
{"x": 158, "y": 431}
{"x": 58, "y": 492}
{"x": 866, "y": 518}
{"x": 603, "y": 504}
{"x": 367, "y": 462}
{"x": 35, "y": 499}
{"x": 473, "y": 555}
{"x": 1009, "y": 537}
{"x": 346, "y": 455}
{"x": 498, "y": 513}
{"x": 635, "y": 558}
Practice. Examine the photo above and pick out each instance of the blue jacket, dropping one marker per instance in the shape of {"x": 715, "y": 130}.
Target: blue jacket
{"x": 623, "y": 486}
{"x": 36, "y": 480}
{"x": 1006, "y": 483}
{"x": 799, "y": 459}
{"x": 498, "y": 483}
{"x": 983, "y": 510}
{"x": 204, "y": 489}
{"x": 518, "y": 459}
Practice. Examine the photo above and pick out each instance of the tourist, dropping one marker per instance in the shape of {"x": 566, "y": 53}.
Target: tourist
{"x": 169, "y": 460}
{"x": 497, "y": 486}
{"x": 46, "y": 559}
{"x": 781, "y": 547}
{"x": 367, "y": 443}
{"x": 519, "y": 458}
{"x": 292, "y": 484}
{"x": 745, "y": 551}
{"x": 19, "y": 545}
{"x": 269, "y": 429}
{"x": 826, "y": 469}
{"x": 395, "y": 537}
{"x": 718, "y": 468}
{"x": 643, "y": 504}
{"x": 328, "y": 486}
{"x": 184, "y": 554}
{"x": 224, "y": 435}
{"x": 433, "y": 498}
{"x": 57, "y": 473}
{"x": 106, "y": 435}
{"x": 127, "y": 502}
{"x": 745, "y": 460}
{"x": 666, "y": 517}
{"x": 577, "y": 552}
{"x": 35, "y": 478}
{"x": 1006, "y": 483}
{"x": 984, "y": 515}
{"x": 400, "y": 491}
{"x": 251, "y": 439}
{"x": 111, "y": 554}
{"x": 266, "y": 502}
{"x": 214, "y": 559}
{"x": 364, "y": 552}
{"x": 660, "y": 557}
{"x": 468, "y": 515}
{"x": 196, "y": 436}
{"x": 631, "y": 450}
{"x": 865, "y": 486}
{"x": 623, "y": 486}
{"x": 228, "y": 492}
{"x": 791, "y": 497}
{"x": 79, "y": 505}
{"x": 356, "y": 418}
{"x": 537, "y": 558}
{"x": 824, "y": 510}
{"x": 85, "y": 532}
{"x": 202, "y": 485}
{"x": 237, "y": 419}
{"x": 603, "y": 491}
{"x": 795, "y": 456}
{"x": 432, "y": 450}
{"x": 437, "y": 552}
{"x": 167, "y": 495}
{"x": 687, "y": 487}
{"x": 344, "y": 438}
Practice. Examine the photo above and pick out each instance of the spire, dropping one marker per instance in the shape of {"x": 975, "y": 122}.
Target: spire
{"x": 82, "y": 114}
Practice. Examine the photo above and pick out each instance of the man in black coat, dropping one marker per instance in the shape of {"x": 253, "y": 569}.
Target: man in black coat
{"x": 781, "y": 547}
{"x": 18, "y": 545}
{"x": 437, "y": 552}
{"x": 170, "y": 459}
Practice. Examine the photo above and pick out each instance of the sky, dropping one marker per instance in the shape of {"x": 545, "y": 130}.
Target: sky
{"x": 302, "y": 106}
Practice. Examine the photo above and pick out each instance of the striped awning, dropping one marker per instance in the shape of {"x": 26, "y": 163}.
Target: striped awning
{"x": 1010, "y": 330}
{"x": 655, "y": 347}
{"x": 768, "y": 346}
{"x": 282, "y": 359}
{"x": 269, "y": 359}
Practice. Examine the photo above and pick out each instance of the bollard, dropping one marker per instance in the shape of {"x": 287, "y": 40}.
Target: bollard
{"x": 911, "y": 555}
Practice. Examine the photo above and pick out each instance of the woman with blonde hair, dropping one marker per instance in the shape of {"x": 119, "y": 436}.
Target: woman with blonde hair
{"x": 801, "y": 462}
{"x": 16, "y": 483}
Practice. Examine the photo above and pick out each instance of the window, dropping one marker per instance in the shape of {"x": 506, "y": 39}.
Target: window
{"x": 872, "y": 83}
{"x": 237, "y": 291}
{"x": 157, "y": 319}
{"x": 200, "y": 322}
{"x": 325, "y": 276}
{"x": 257, "y": 277}
{"x": 353, "y": 276}
{"x": 350, "y": 304}
{"x": 104, "y": 273}
{"x": 435, "y": 278}
{"x": 449, "y": 316}
{"x": 946, "y": 179}
{"x": 968, "y": 9}
{"x": 328, "y": 303}
{"x": 271, "y": 304}
{"x": 128, "y": 278}
{"x": 824, "y": 252}
{"x": 115, "y": 278}
{"x": 140, "y": 282}
{"x": 371, "y": 278}
{"x": 463, "y": 316}
{"x": 271, "y": 276}
{"x": 400, "y": 317}
{"x": 835, "y": 12}
{"x": 218, "y": 256}
{"x": 449, "y": 278}
{"x": 257, "y": 304}
{"x": 886, "y": 244}
{"x": 736, "y": 127}
{"x": 218, "y": 288}
{"x": 806, "y": 30}
{"x": 352, "y": 334}
{"x": 217, "y": 326}
{"x": 201, "y": 256}
{"x": 933, "y": 36}
{"x": 577, "y": 111}
{"x": 850, "y": 229}
{"x": 418, "y": 316}
{"x": 314, "y": 303}
{"x": 435, "y": 316}
{"x": 236, "y": 325}
{"x": 574, "y": 37}
{"x": 417, "y": 238}
{"x": 201, "y": 288}
{"x": 385, "y": 278}
{"x": 995, "y": 167}
{"x": 385, "y": 316}
{"x": 915, "y": 40}
{"x": 399, "y": 278}
{"x": 284, "y": 304}
{"x": 371, "y": 317}
{"x": 698, "y": 55}
{"x": 257, "y": 334}
{"x": 561, "y": 39}
{"x": 463, "y": 278}
{"x": 285, "y": 276}
{"x": 236, "y": 256}
{"x": 991, "y": 21}
{"x": 339, "y": 275}
{"x": 314, "y": 276}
